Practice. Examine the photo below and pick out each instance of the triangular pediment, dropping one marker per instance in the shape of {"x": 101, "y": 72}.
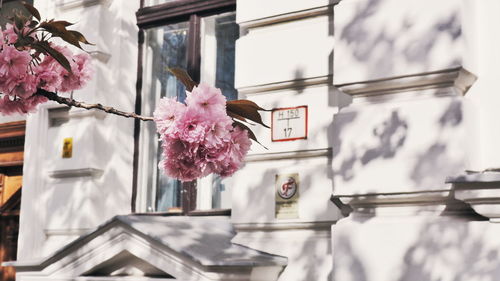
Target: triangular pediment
{"x": 156, "y": 248}
{"x": 127, "y": 264}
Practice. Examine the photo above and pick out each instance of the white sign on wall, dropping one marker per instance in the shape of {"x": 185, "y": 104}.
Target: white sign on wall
{"x": 289, "y": 123}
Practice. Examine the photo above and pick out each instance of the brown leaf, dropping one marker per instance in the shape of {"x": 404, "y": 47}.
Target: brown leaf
{"x": 80, "y": 37}
{"x": 251, "y": 135}
{"x": 184, "y": 77}
{"x": 58, "y": 29}
{"x": 70, "y": 38}
{"x": 18, "y": 22}
{"x": 44, "y": 47}
{"x": 33, "y": 24}
{"x": 247, "y": 111}
{"x": 235, "y": 116}
{"x": 32, "y": 10}
{"x": 247, "y": 103}
{"x": 62, "y": 23}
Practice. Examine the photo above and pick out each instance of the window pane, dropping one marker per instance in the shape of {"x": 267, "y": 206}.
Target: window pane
{"x": 166, "y": 46}
{"x": 221, "y": 193}
{"x": 219, "y": 35}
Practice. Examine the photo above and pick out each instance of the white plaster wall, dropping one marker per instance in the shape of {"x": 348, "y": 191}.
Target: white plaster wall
{"x": 400, "y": 146}
{"x": 383, "y": 38}
{"x": 246, "y": 10}
{"x": 285, "y": 64}
{"x": 484, "y": 40}
{"x": 285, "y": 51}
{"x": 415, "y": 247}
{"x": 284, "y": 58}
{"x": 54, "y": 211}
{"x": 254, "y": 201}
{"x": 374, "y": 40}
{"x": 308, "y": 251}
{"x": 322, "y": 102}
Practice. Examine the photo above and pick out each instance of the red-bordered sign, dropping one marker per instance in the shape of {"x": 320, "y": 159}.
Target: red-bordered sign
{"x": 289, "y": 123}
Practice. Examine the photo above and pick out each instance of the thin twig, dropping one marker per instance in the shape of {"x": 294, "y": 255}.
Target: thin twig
{"x": 108, "y": 109}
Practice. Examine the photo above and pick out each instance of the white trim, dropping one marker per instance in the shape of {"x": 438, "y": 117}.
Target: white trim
{"x": 67, "y": 232}
{"x": 250, "y": 227}
{"x": 83, "y": 256}
{"x": 286, "y": 85}
{"x": 101, "y": 56}
{"x": 298, "y": 154}
{"x": 70, "y": 4}
{"x": 293, "y": 16}
{"x": 31, "y": 235}
{"x": 74, "y": 173}
{"x": 458, "y": 78}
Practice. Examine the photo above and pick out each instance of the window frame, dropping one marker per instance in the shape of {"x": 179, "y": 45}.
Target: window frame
{"x": 176, "y": 11}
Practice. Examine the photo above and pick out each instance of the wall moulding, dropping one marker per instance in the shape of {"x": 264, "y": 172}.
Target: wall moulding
{"x": 70, "y": 4}
{"x": 437, "y": 202}
{"x": 481, "y": 190}
{"x": 300, "y": 154}
{"x": 277, "y": 226}
{"x": 286, "y": 85}
{"x": 458, "y": 78}
{"x": 292, "y": 16}
{"x": 74, "y": 173}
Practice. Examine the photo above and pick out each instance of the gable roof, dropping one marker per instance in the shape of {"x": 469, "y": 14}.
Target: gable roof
{"x": 178, "y": 246}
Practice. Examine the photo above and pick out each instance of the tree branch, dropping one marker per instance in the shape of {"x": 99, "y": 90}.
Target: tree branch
{"x": 108, "y": 109}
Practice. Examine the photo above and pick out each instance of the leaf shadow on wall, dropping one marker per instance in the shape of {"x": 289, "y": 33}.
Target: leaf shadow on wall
{"x": 375, "y": 46}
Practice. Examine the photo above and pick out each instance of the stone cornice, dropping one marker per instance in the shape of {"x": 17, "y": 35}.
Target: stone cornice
{"x": 457, "y": 78}
{"x": 481, "y": 190}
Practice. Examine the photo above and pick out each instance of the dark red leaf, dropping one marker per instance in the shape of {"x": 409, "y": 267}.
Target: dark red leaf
{"x": 32, "y": 10}
{"x": 80, "y": 37}
{"x": 58, "y": 29}
{"x": 235, "y": 116}
{"x": 44, "y": 47}
{"x": 248, "y": 103}
{"x": 251, "y": 135}
{"x": 247, "y": 111}
{"x": 62, "y": 23}
{"x": 184, "y": 77}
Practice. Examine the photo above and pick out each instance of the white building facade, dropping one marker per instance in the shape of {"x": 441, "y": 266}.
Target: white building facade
{"x": 389, "y": 159}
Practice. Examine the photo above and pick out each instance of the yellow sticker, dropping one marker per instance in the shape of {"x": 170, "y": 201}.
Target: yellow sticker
{"x": 67, "y": 151}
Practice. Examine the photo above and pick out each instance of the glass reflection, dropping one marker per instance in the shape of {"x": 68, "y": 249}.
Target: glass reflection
{"x": 167, "y": 47}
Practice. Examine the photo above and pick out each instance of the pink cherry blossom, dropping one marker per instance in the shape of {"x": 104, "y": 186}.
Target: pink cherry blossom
{"x": 22, "y": 86}
{"x": 206, "y": 99}
{"x": 199, "y": 139}
{"x": 9, "y": 34}
{"x": 240, "y": 144}
{"x": 80, "y": 72}
{"x": 192, "y": 126}
{"x": 168, "y": 111}
{"x": 8, "y": 106}
{"x": 218, "y": 132}
{"x": 13, "y": 63}
{"x": 24, "y": 71}
{"x": 50, "y": 77}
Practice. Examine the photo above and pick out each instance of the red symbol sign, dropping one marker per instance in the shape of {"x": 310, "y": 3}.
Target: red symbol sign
{"x": 288, "y": 189}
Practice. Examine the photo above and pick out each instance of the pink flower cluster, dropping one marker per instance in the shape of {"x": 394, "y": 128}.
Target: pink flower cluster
{"x": 199, "y": 138}
{"x": 22, "y": 72}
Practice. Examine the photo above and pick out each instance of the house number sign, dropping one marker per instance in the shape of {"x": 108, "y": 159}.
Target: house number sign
{"x": 288, "y": 124}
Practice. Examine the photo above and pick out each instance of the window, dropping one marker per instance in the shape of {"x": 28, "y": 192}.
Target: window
{"x": 200, "y": 37}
